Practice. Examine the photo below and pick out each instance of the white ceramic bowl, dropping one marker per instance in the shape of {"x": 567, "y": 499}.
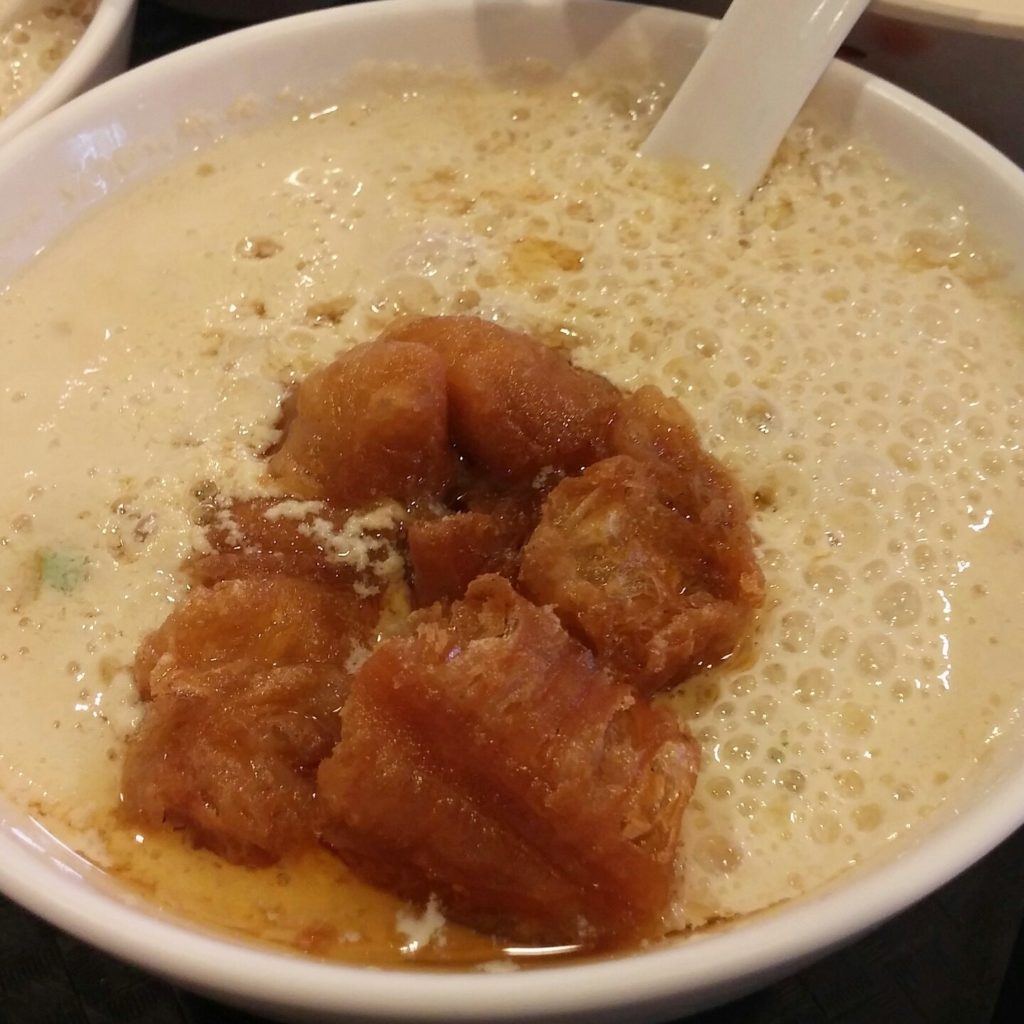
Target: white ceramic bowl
{"x": 995, "y": 17}
{"x": 147, "y": 104}
{"x": 965, "y": 57}
{"x": 101, "y": 53}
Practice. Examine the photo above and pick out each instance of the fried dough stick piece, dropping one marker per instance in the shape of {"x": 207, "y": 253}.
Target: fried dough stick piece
{"x": 445, "y": 555}
{"x": 230, "y": 756}
{"x": 486, "y": 759}
{"x": 371, "y": 425}
{"x": 244, "y": 683}
{"x": 658, "y": 431}
{"x": 639, "y": 583}
{"x": 273, "y": 620}
{"x": 255, "y": 537}
{"x": 518, "y": 412}
{"x": 516, "y": 407}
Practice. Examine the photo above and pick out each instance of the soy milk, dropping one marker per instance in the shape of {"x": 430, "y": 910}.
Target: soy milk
{"x": 35, "y": 36}
{"x": 844, "y": 344}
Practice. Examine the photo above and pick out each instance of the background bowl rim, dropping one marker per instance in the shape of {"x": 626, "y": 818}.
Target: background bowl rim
{"x": 76, "y": 71}
{"x": 957, "y": 15}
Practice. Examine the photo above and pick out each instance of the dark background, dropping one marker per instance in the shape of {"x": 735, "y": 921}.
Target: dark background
{"x": 955, "y": 958}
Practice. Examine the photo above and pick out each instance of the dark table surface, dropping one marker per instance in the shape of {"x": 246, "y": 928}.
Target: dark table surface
{"x": 956, "y": 957}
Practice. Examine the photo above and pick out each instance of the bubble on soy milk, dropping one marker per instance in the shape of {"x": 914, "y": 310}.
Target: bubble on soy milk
{"x": 33, "y": 46}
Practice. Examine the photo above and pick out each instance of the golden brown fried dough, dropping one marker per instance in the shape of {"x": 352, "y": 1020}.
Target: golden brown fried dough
{"x": 230, "y": 756}
{"x": 488, "y": 760}
{"x": 371, "y": 425}
{"x": 516, "y": 407}
{"x": 630, "y": 576}
{"x": 447, "y": 554}
{"x": 262, "y": 621}
{"x": 658, "y": 431}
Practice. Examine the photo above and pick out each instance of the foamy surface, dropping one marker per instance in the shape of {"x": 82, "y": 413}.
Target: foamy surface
{"x": 846, "y": 346}
{"x": 34, "y": 45}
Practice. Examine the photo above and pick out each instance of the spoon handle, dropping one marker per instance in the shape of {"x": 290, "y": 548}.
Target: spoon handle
{"x": 748, "y": 85}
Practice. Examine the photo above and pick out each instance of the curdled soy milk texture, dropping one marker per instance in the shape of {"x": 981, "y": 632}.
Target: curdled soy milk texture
{"x": 36, "y": 42}
{"x": 843, "y": 345}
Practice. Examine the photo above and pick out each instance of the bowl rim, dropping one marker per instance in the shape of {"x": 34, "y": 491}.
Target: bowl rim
{"x": 76, "y": 71}
{"x": 957, "y": 15}
{"x": 715, "y": 965}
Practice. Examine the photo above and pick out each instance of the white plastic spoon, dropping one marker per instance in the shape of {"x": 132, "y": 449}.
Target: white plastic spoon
{"x": 748, "y": 85}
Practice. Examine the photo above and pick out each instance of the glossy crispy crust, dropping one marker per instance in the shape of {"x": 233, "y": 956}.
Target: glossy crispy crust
{"x": 273, "y": 620}
{"x": 371, "y": 425}
{"x": 229, "y": 754}
{"x": 516, "y": 407}
{"x": 244, "y": 683}
{"x": 488, "y": 760}
{"x": 445, "y": 555}
{"x": 658, "y": 431}
{"x": 485, "y": 534}
{"x": 639, "y": 583}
